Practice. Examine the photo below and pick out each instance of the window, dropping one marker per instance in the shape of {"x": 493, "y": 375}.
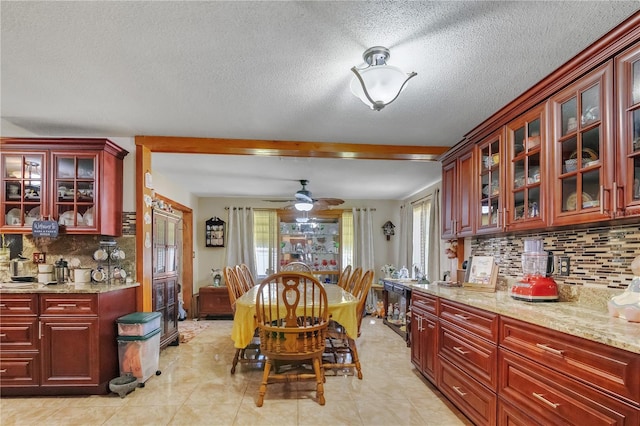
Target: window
{"x": 265, "y": 236}
{"x": 420, "y": 233}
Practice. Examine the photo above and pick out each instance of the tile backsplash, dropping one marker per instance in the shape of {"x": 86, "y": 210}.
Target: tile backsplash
{"x": 81, "y": 247}
{"x": 598, "y": 256}
{"x": 600, "y": 260}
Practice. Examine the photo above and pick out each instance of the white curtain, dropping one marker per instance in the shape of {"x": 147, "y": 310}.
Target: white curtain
{"x": 405, "y": 254}
{"x": 363, "y": 248}
{"x": 434, "y": 246}
{"x": 363, "y": 239}
{"x": 240, "y": 247}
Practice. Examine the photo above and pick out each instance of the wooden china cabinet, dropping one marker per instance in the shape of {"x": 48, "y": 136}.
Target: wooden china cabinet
{"x": 527, "y": 174}
{"x": 76, "y": 182}
{"x": 489, "y": 211}
{"x": 627, "y": 186}
{"x": 165, "y": 285}
{"x": 583, "y": 149}
{"x": 315, "y": 242}
{"x": 457, "y": 205}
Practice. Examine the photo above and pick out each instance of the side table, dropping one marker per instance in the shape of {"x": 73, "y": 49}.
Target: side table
{"x": 214, "y": 301}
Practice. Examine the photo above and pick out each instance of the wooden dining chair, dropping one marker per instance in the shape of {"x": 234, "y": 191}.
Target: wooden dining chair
{"x": 248, "y": 274}
{"x": 343, "y": 279}
{"x": 233, "y": 286}
{"x": 296, "y": 267}
{"x": 292, "y": 316}
{"x": 341, "y": 350}
{"x": 243, "y": 279}
{"x": 354, "y": 279}
{"x": 236, "y": 289}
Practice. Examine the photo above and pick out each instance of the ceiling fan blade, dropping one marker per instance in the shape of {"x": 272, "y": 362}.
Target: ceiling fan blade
{"x": 330, "y": 201}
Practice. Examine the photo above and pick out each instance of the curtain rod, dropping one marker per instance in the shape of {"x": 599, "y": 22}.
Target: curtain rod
{"x": 419, "y": 200}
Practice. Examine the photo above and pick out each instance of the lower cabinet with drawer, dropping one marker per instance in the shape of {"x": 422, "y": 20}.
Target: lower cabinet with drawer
{"x": 60, "y": 344}
{"x": 555, "y": 378}
{"x": 500, "y": 370}
{"x": 551, "y": 397}
{"x": 467, "y": 349}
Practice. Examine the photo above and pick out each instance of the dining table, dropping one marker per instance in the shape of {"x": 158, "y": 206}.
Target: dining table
{"x": 341, "y": 304}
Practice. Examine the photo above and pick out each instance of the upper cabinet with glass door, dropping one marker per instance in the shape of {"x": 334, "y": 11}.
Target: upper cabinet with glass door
{"x": 23, "y": 188}
{"x": 489, "y": 217}
{"x": 75, "y": 182}
{"x": 75, "y": 189}
{"x": 627, "y": 195}
{"x": 582, "y": 144}
{"x": 526, "y": 171}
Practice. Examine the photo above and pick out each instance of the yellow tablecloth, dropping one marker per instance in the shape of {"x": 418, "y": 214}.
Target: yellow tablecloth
{"x": 342, "y": 308}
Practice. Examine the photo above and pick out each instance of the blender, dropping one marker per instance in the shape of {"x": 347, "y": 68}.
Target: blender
{"x": 536, "y": 284}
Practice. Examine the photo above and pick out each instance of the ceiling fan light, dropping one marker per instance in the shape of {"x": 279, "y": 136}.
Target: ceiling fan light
{"x": 303, "y": 206}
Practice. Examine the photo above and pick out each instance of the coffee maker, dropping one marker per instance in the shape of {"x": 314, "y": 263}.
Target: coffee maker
{"x": 537, "y": 284}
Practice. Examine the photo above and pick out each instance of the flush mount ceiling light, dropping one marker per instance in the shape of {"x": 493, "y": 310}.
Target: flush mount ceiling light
{"x": 378, "y": 84}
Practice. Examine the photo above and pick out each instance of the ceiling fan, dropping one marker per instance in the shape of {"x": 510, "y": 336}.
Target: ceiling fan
{"x": 304, "y": 201}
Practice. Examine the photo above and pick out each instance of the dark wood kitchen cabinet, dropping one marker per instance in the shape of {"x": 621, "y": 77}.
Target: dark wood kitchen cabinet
{"x": 75, "y": 182}
{"x": 489, "y": 207}
{"x": 554, "y": 378}
{"x": 467, "y": 351}
{"x": 582, "y": 143}
{"x": 424, "y": 334}
{"x": 165, "y": 286}
{"x": 214, "y": 301}
{"x": 627, "y": 185}
{"x": 60, "y": 344}
{"x": 527, "y": 201}
{"x": 571, "y": 148}
{"x": 457, "y": 205}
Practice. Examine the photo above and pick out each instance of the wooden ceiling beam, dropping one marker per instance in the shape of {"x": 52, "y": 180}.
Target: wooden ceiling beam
{"x": 222, "y": 146}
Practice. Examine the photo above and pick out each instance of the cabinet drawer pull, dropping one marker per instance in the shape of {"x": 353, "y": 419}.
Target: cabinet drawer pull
{"x": 459, "y": 350}
{"x": 550, "y": 349}
{"x": 458, "y": 391}
{"x": 2, "y": 305}
{"x": 464, "y": 317}
{"x": 67, "y": 305}
{"x": 545, "y": 400}
{"x": 4, "y": 370}
{"x": 3, "y": 334}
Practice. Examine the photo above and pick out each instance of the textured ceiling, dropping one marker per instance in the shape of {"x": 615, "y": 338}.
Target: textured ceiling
{"x": 280, "y": 71}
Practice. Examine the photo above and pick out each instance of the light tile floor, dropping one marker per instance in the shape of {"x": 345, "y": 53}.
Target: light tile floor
{"x": 196, "y": 388}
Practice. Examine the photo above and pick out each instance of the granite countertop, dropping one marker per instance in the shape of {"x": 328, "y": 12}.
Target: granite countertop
{"x": 572, "y": 318}
{"x": 69, "y": 288}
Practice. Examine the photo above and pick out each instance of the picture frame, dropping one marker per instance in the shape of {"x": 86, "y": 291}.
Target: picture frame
{"x": 482, "y": 274}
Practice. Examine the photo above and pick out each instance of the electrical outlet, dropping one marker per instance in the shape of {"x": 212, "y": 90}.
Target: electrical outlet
{"x": 563, "y": 265}
{"x": 39, "y": 258}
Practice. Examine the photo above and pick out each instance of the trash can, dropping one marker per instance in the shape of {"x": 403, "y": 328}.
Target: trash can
{"x": 139, "y": 345}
